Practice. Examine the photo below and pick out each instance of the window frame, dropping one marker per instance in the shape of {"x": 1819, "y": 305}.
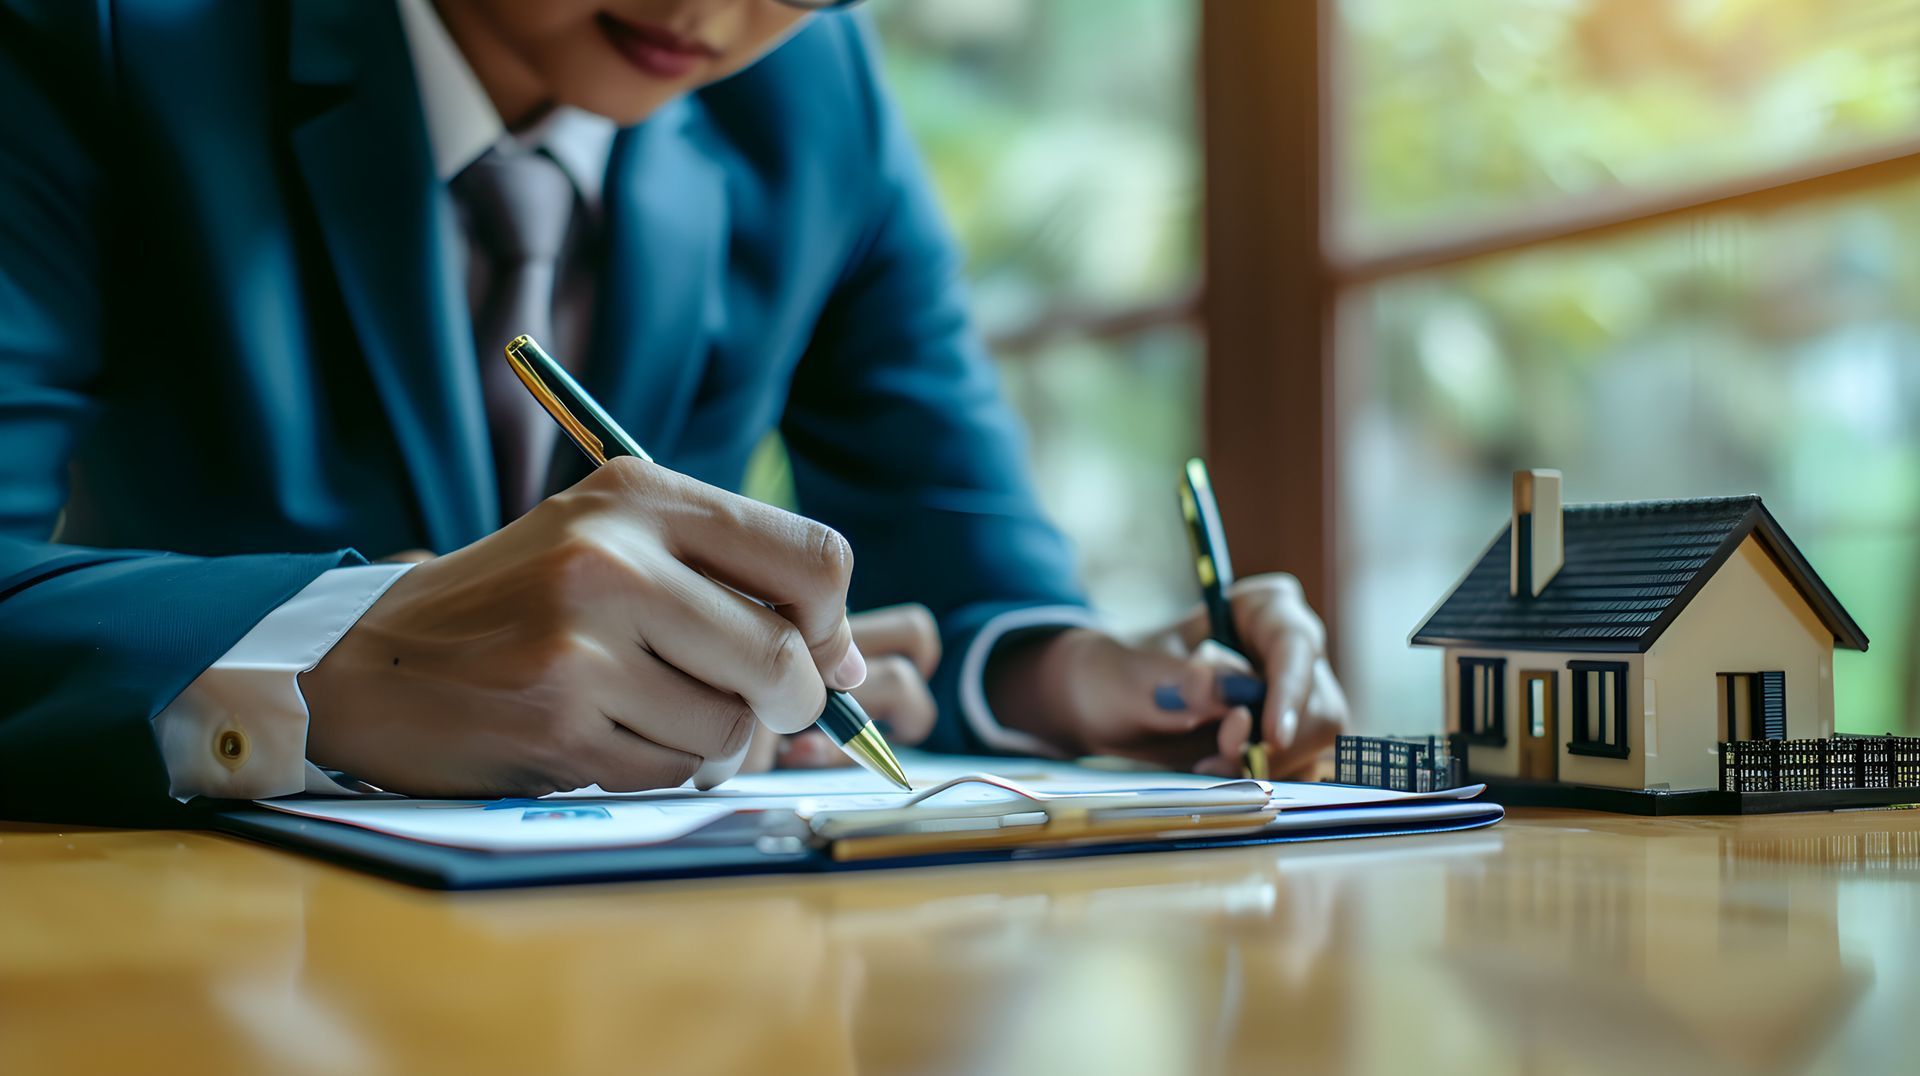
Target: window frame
{"x": 1494, "y": 734}
{"x": 1578, "y": 742}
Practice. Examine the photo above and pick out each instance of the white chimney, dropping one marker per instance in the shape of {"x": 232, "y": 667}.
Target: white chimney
{"x": 1538, "y": 548}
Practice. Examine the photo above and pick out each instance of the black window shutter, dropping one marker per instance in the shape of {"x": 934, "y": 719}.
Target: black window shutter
{"x": 1773, "y": 704}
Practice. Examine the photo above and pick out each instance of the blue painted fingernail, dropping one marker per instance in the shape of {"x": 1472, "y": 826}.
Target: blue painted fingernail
{"x": 1168, "y": 697}
{"x": 1239, "y": 689}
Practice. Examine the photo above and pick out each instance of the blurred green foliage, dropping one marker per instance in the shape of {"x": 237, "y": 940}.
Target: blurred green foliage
{"x": 1060, "y": 134}
{"x": 1467, "y": 110}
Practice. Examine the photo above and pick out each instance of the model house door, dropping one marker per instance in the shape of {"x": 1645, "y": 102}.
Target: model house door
{"x": 1539, "y": 754}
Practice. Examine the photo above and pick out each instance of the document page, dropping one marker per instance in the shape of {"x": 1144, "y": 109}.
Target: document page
{"x": 514, "y": 825}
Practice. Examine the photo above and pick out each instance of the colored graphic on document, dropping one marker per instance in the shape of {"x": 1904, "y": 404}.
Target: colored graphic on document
{"x": 550, "y": 813}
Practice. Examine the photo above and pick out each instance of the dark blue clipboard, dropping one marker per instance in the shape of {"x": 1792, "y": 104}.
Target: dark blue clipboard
{"x": 733, "y": 846}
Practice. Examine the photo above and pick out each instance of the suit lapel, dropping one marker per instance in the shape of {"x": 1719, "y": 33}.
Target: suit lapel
{"x": 389, "y": 230}
{"x": 660, "y": 303}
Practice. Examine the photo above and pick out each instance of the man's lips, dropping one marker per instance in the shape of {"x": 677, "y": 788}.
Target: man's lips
{"x": 655, "y": 50}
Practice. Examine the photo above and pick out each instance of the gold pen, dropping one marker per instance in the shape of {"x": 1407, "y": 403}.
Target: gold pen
{"x": 601, "y": 438}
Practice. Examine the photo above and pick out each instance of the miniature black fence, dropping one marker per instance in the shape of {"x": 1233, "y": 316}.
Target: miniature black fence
{"x": 1404, "y": 765}
{"x": 1844, "y": 762}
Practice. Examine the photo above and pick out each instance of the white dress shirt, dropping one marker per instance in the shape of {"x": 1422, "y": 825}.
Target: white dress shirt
{"x": 239, "y": 731}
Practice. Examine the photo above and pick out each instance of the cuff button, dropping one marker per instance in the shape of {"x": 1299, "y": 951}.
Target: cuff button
{"x": 231, "y": 748}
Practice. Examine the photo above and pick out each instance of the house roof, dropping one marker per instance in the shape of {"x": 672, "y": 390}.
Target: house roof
{"x": 1630, "y": 569}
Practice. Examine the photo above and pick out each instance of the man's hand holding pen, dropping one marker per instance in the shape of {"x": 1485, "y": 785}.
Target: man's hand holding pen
{"x": 592, "y": 641}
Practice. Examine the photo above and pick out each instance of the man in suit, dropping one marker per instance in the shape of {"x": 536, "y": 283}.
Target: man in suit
{"x": 257, "y": 261}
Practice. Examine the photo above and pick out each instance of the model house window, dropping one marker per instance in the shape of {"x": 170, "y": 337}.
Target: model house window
{"x": 1483, "y": 713}
{"x": 1599, "y": 708}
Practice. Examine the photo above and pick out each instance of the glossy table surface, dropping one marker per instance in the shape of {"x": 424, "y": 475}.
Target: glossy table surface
{"x": 1557, "y": 941}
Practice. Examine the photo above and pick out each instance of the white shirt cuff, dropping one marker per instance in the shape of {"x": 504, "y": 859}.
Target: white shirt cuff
{"x": 239, "y": 731}
{"x": 973, "y": 676}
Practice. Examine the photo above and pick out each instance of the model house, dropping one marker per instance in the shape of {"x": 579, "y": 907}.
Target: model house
{"x": 1618, "y": 645}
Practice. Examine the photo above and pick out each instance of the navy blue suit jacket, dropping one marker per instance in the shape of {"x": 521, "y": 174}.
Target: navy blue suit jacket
{"x": 232, "y": 351}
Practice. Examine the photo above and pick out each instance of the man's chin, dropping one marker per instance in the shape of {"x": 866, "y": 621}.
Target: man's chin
{"x": 630, "y": 106}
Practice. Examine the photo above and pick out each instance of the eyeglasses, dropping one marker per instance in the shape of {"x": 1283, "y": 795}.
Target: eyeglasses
{"x": 819, "y": 5}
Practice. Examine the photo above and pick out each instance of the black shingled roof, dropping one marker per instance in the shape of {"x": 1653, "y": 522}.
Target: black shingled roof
{"x": 1630, "y": 569}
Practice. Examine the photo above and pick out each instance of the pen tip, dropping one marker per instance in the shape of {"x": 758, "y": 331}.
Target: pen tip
{"x": 872, "y": 752}
{"x": 889, "y": 767}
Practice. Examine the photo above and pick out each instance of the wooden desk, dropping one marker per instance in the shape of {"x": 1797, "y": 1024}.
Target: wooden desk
{"x": 1559, "y": 941}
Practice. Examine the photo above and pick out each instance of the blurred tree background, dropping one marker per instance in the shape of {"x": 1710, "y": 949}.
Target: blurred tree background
{"x": 1471, "y": 111}
{"x": 1061, "y": 136}
{"x": 1718, "y": 352}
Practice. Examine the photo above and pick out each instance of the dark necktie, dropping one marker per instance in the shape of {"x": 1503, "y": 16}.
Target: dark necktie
{"x": 519, "y": 206}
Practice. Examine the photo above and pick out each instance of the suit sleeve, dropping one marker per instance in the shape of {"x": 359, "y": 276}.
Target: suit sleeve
{"x": 900, "y": 438}
{"x": 93, "y": 642}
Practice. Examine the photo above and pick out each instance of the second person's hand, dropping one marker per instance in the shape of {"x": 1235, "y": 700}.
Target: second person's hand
{"x": 591, "y": 641}
{"x": 1160, "y": 699}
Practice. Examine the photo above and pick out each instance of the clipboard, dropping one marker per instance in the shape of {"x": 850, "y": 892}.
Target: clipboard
{"x": 789, "y": 842}
{"x": 1030, "y": 819}
{"x": 743, "y": 844}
